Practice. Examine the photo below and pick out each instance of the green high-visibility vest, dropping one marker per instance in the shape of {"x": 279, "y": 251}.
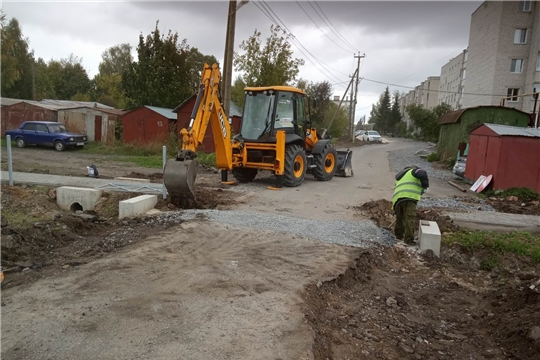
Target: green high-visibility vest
{"x": 407, "y": 187}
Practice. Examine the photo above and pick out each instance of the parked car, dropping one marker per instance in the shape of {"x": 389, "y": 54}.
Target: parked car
{"x": 46, "y": 133}
{"x": 371, "y": 135}
{"x": 459, "y": 167}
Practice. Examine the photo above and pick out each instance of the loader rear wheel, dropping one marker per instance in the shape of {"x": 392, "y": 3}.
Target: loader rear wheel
{"x": 326, "y": 163}
{"x": 244, "y": 174}
{"x": 295, "y": 166}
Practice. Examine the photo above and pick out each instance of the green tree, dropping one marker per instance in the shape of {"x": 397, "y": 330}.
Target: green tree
{"x": 272, "y": 64}
{"x": 161, "y": 76}
{"x": 69, "y": 77}
{"x": 115, "y": 60}
{"x": 196, "y": 61}
{"x": 43, "y": 83}
{"x": 427, "y": 120}
{"x": 237, "y": 91}
{"x": 381, "y": 113}
{"x": 17, "y": 62}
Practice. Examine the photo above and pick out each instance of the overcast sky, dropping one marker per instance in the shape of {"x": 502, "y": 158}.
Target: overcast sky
{"x": 404, "y": 42}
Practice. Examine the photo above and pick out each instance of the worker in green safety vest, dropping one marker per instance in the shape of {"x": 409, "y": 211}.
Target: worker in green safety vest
{"x": 411, "y": 183}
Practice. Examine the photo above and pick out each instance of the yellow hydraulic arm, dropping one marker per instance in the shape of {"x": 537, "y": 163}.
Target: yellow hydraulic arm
{"x": 179, "y": 174}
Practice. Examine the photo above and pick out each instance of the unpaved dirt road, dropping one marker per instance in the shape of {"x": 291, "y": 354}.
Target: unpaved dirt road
{"x": 197, "y": 291}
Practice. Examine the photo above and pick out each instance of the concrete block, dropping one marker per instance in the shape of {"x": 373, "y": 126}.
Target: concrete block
{"x": 137, "y": 205}
{"x": 71, "y": 198}
{"x": 132, "y": 179}
{"x": 429, "y": 237}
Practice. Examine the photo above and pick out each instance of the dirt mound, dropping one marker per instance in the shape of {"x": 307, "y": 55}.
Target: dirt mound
{"x": 37, "y": 234}
{"x": 391, "y": 306}
{"x": 381, "y": 213}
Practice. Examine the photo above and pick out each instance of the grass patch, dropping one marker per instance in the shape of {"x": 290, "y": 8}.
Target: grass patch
{"x": 153, "y": 162}
{"x": 521, "y": 193}
{"x": 518, "y": 242}
{"x": 490, "y": 263}
{"x": 155, "y": 149}
{"x": 206, "y": 159}
{"x": 433, "y": 157}
{"x": 3, "y": 142}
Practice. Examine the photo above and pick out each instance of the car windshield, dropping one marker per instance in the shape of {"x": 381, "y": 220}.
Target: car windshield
{"x": 373, "y": 133}
{"x": 256, "y": 119}
{"x": 57, "y": 128}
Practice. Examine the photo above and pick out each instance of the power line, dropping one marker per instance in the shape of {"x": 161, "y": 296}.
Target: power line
{"x": 332, "y": 25}
{"x": 299, "y": 43}
{"x": 446, "y": 56}
{"x": 438, "y": 91}
{"x": 313, "y": 21}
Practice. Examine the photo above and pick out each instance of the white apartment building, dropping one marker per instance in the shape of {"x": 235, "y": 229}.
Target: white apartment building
{"x": 451, "y": 84}
{"x": 425, "y": 94}
{"x": 503, "y": 54}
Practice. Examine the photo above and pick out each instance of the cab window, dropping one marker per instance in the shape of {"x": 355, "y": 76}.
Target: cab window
{"x": 284, "y": 111}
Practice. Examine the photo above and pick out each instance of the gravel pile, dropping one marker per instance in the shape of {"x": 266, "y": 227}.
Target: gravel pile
{"x": 454, "y": 203}
{"x": 402, "y": 158}
{"x": 343, "y": 232}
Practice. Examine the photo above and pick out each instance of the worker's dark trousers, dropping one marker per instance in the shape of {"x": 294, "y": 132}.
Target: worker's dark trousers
{"x": 405, "y": 219}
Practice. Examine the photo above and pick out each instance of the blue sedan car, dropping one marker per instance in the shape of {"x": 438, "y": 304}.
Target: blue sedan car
{"x": 46, "y": 133}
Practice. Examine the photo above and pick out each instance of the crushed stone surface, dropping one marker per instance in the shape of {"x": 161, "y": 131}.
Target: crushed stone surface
{"x": 399, "y": 159}
{"x": 454, "y": 203}
{"x": 342, "y": 232}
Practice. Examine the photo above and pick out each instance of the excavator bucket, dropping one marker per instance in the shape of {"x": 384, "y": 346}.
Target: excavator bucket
{"x": 179, "y": 178}
{"x": 344, "y": 165}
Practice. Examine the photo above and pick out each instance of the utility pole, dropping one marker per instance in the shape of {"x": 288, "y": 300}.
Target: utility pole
{"x": 229, "y": 52}
{"x": 356, "y": 91}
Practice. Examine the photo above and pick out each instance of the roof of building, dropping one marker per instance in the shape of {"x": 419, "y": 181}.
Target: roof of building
{"x": 505, "y": 130}
{"x": 9, "y": 101}
{"x": 234, "y": 110}
{"x": 112, "y": 111}
{"x": 165, "y": 112}
{"x": 455, "y": 116}
{"x": 64, "y": 104}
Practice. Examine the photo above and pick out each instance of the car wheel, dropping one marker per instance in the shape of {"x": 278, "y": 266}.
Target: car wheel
{"x": 58, "y": 145}
{"x": 20, "y": 142}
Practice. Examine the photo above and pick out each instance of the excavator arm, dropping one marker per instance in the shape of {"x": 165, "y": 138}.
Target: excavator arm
{"x": 180, "y": 173}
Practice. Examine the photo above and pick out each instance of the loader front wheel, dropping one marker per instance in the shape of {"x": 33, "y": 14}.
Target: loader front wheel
{"x": 295, "y": 166}
{"x": 244, "y": 175}
{"x": 326, "y": 163}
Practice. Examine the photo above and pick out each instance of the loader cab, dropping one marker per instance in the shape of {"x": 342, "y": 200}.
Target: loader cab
{"x": 267, "y": 110}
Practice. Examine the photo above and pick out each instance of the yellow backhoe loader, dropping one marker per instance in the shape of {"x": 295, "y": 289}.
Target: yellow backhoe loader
{"x": 276, "y": 134}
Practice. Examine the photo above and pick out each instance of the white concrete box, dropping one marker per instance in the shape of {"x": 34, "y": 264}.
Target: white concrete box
{"x": 137, "y": 205}
{"x": 429, "y": 237}
{"x": 71, "y": 198}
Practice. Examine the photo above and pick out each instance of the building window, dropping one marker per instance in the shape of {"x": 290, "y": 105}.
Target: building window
{"x": 525, "y": 6}
{"x": 517, "y": 65}
{"x": 512, "y": 95}
{"x": 538, "y": 62}
{"x": 535, "y": 88}
{"x": 520, "y": 36}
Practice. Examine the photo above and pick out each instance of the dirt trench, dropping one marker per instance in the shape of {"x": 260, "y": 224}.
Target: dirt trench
{"x": 394, "y": 305}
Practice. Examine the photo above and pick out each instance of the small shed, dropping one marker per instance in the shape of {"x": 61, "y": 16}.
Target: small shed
{"x": 511, "y": 154}
{"x": 147, "y": 124}
{"x": 14, "y": 115}
{"x": 183, "y": 115}
{"x": 456, "y": 126}
{"x": 4, "y": 101}
{"x": 99, "y": 124}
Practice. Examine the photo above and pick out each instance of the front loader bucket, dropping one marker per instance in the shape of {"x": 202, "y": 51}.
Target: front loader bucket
{"x": 344, "y": 165}
{"x": 179, "y": 178}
